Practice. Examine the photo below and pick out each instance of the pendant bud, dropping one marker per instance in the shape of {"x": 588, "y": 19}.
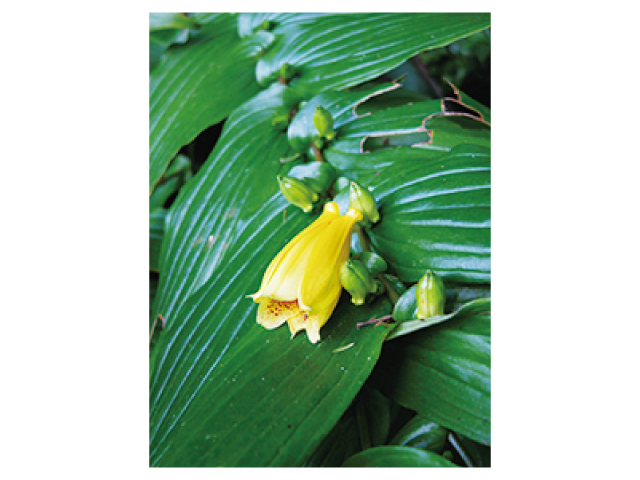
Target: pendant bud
{"x": 297, "y": 192}
{"x": 356, "y": 280}
{"x": 362, "y": 199}
{"x": 323, "y": 121}
{"x": 431, "y": 295}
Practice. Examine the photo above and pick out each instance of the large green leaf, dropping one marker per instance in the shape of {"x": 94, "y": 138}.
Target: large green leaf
{"x": 339, "y": 51}
{"x": 397, "y": 456}
{"x": 444, "y": 373}
{"x": 214, "y": 212}
{"x": 436, "y": 214}
{"x": 230, "y": 393}
{"x": 156, "y": 230}
{"x": 198, "y": 84}
{"x": 420, "y": 432}
{"x": 434, "y": 198}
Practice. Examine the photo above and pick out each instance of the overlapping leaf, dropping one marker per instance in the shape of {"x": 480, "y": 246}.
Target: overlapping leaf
{"x": 229, "y": 393}
{"x": 397, "y": 456}
{"x": 434, "y": 198}
{"x": 444, "y": 373}
{"x": 198, "y": 84}
{"x": 339, "y": 51}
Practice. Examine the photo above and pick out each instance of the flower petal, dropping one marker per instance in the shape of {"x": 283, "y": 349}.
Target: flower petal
{"x": 322, "y": 277}
{"x": 284, "y": 273}
{"x": 272, "y": 314}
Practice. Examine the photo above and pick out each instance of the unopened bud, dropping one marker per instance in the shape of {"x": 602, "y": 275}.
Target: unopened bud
{"x": 297, "y": 192}
{"x": 341, "y": 183}
{"x": 374, "y": 263}
{"x": 266, "y": 25}
{"x": 362, "y": 199}
{"x": 323, "y": 121}
{"x": 430, "y": 295}
{"x": 356, "y": 280}
{"x": 287, "y": 71}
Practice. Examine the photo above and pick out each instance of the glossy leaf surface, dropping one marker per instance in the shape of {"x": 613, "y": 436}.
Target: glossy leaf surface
{"x": 434, "y": 198}
{"x": 397, "y": 456}
{"x": 339, "y": 51}
{"x": 198, "y": 84}
{"x": 444, "y": 373}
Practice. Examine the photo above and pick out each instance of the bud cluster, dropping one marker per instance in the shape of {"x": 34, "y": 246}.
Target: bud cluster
{"x": 357, "y": 276}
{"x": 306, "y": 184}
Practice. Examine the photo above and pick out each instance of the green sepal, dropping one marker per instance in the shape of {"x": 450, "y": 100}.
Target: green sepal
{"x": 297, "y": 192}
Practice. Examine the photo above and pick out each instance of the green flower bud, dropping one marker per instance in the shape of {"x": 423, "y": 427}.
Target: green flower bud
{"x": 362, "y": 199}
{"x": 374, "y": 263}
{"x": 266, "y": 25}
{"x": 297, "y": 192}
{"x": 323, "y": 121}
{"x": 341, "y": 183}
{"x": 287, "y": 71}
{"x": 430, "y": 295}
{"x": 319, "y": 144}
{"x": 356, "y": 280}
{"x": 317, "y": 175}
{"x": 280, "y": 120}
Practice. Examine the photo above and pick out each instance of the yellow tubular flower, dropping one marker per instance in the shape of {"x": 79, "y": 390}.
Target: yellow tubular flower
{"x": 302, "y": 284}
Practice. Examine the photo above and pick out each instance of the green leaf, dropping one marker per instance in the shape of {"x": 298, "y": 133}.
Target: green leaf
{"x": 230, "y": 393}
{"x": 340, "y": 51}
{"x": 156, "y": 230}
{"x": 444, "y": 374}
{"x": 420, "y": 432}
{"x": 215, "y": 213}
{"x": 397, "y": 456}
{"x": 434, "y": 198}
{"x": 471, "y": 453}
{"x": 435, "y": 214}
{"x": 373, "y": 417}
{"x": 338, "y": 445}
{"x": 161, "y": 21}
{"x": 341, "y": 105}
{"x": 407, "y": 326}
{"x": 197, "y": 85}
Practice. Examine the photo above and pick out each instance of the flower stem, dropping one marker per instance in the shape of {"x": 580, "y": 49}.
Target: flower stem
{"x": 362, "y": 237}
{"x": 317, "y": 154}
{"x": 366, "y": 247}
{"x": 153, "y": 327}
{"x": 391, "y": 292}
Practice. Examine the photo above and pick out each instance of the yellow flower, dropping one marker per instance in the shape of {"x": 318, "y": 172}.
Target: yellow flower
{"x": 302, "y": 284}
